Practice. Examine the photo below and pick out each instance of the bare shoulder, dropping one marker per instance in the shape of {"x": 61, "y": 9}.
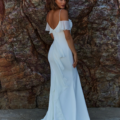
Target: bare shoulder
{"x": 64, "y": 14}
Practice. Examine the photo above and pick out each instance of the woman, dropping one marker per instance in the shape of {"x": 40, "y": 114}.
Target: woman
{"x": 66, "y": 99}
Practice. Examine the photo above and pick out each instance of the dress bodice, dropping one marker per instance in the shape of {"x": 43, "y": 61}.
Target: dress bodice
{"x": 59, "y": 36}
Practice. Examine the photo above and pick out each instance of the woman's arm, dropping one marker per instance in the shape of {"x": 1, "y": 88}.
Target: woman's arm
{"x": 69, "y": 39}
{"x": 64, "y": 16}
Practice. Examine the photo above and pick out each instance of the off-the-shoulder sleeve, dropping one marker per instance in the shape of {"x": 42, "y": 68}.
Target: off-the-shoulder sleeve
{"x": 47, "y": 27}
{"x": 65, "y": 25}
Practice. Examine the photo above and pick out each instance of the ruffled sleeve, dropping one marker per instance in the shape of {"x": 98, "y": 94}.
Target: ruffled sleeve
{"x": 47, "y": 27}
{"x": 63, "y": 25}
{"x": 66, "y": 25}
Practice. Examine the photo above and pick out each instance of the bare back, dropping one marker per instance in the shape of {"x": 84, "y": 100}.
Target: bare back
{"x": 54, "y": 17}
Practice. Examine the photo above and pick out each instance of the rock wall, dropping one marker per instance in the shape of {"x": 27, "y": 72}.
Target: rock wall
{"x": 24, "y": 46}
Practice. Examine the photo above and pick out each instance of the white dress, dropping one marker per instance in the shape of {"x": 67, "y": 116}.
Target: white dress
{"x": 66, "y": 98}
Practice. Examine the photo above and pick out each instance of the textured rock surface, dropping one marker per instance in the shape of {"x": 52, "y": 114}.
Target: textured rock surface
{"x": 24, "y": 45}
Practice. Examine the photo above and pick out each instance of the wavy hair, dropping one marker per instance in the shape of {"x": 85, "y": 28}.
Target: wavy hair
{"x": 51, "y": 5}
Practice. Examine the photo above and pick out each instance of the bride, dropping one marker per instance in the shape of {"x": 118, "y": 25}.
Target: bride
{"x": 66, "y": 98}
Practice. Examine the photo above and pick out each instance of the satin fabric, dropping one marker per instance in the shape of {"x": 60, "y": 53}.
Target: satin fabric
{"x": 66, "y": 98}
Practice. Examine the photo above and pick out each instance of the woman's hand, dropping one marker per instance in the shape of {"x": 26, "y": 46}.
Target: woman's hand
{"x": 75, "y": 60}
